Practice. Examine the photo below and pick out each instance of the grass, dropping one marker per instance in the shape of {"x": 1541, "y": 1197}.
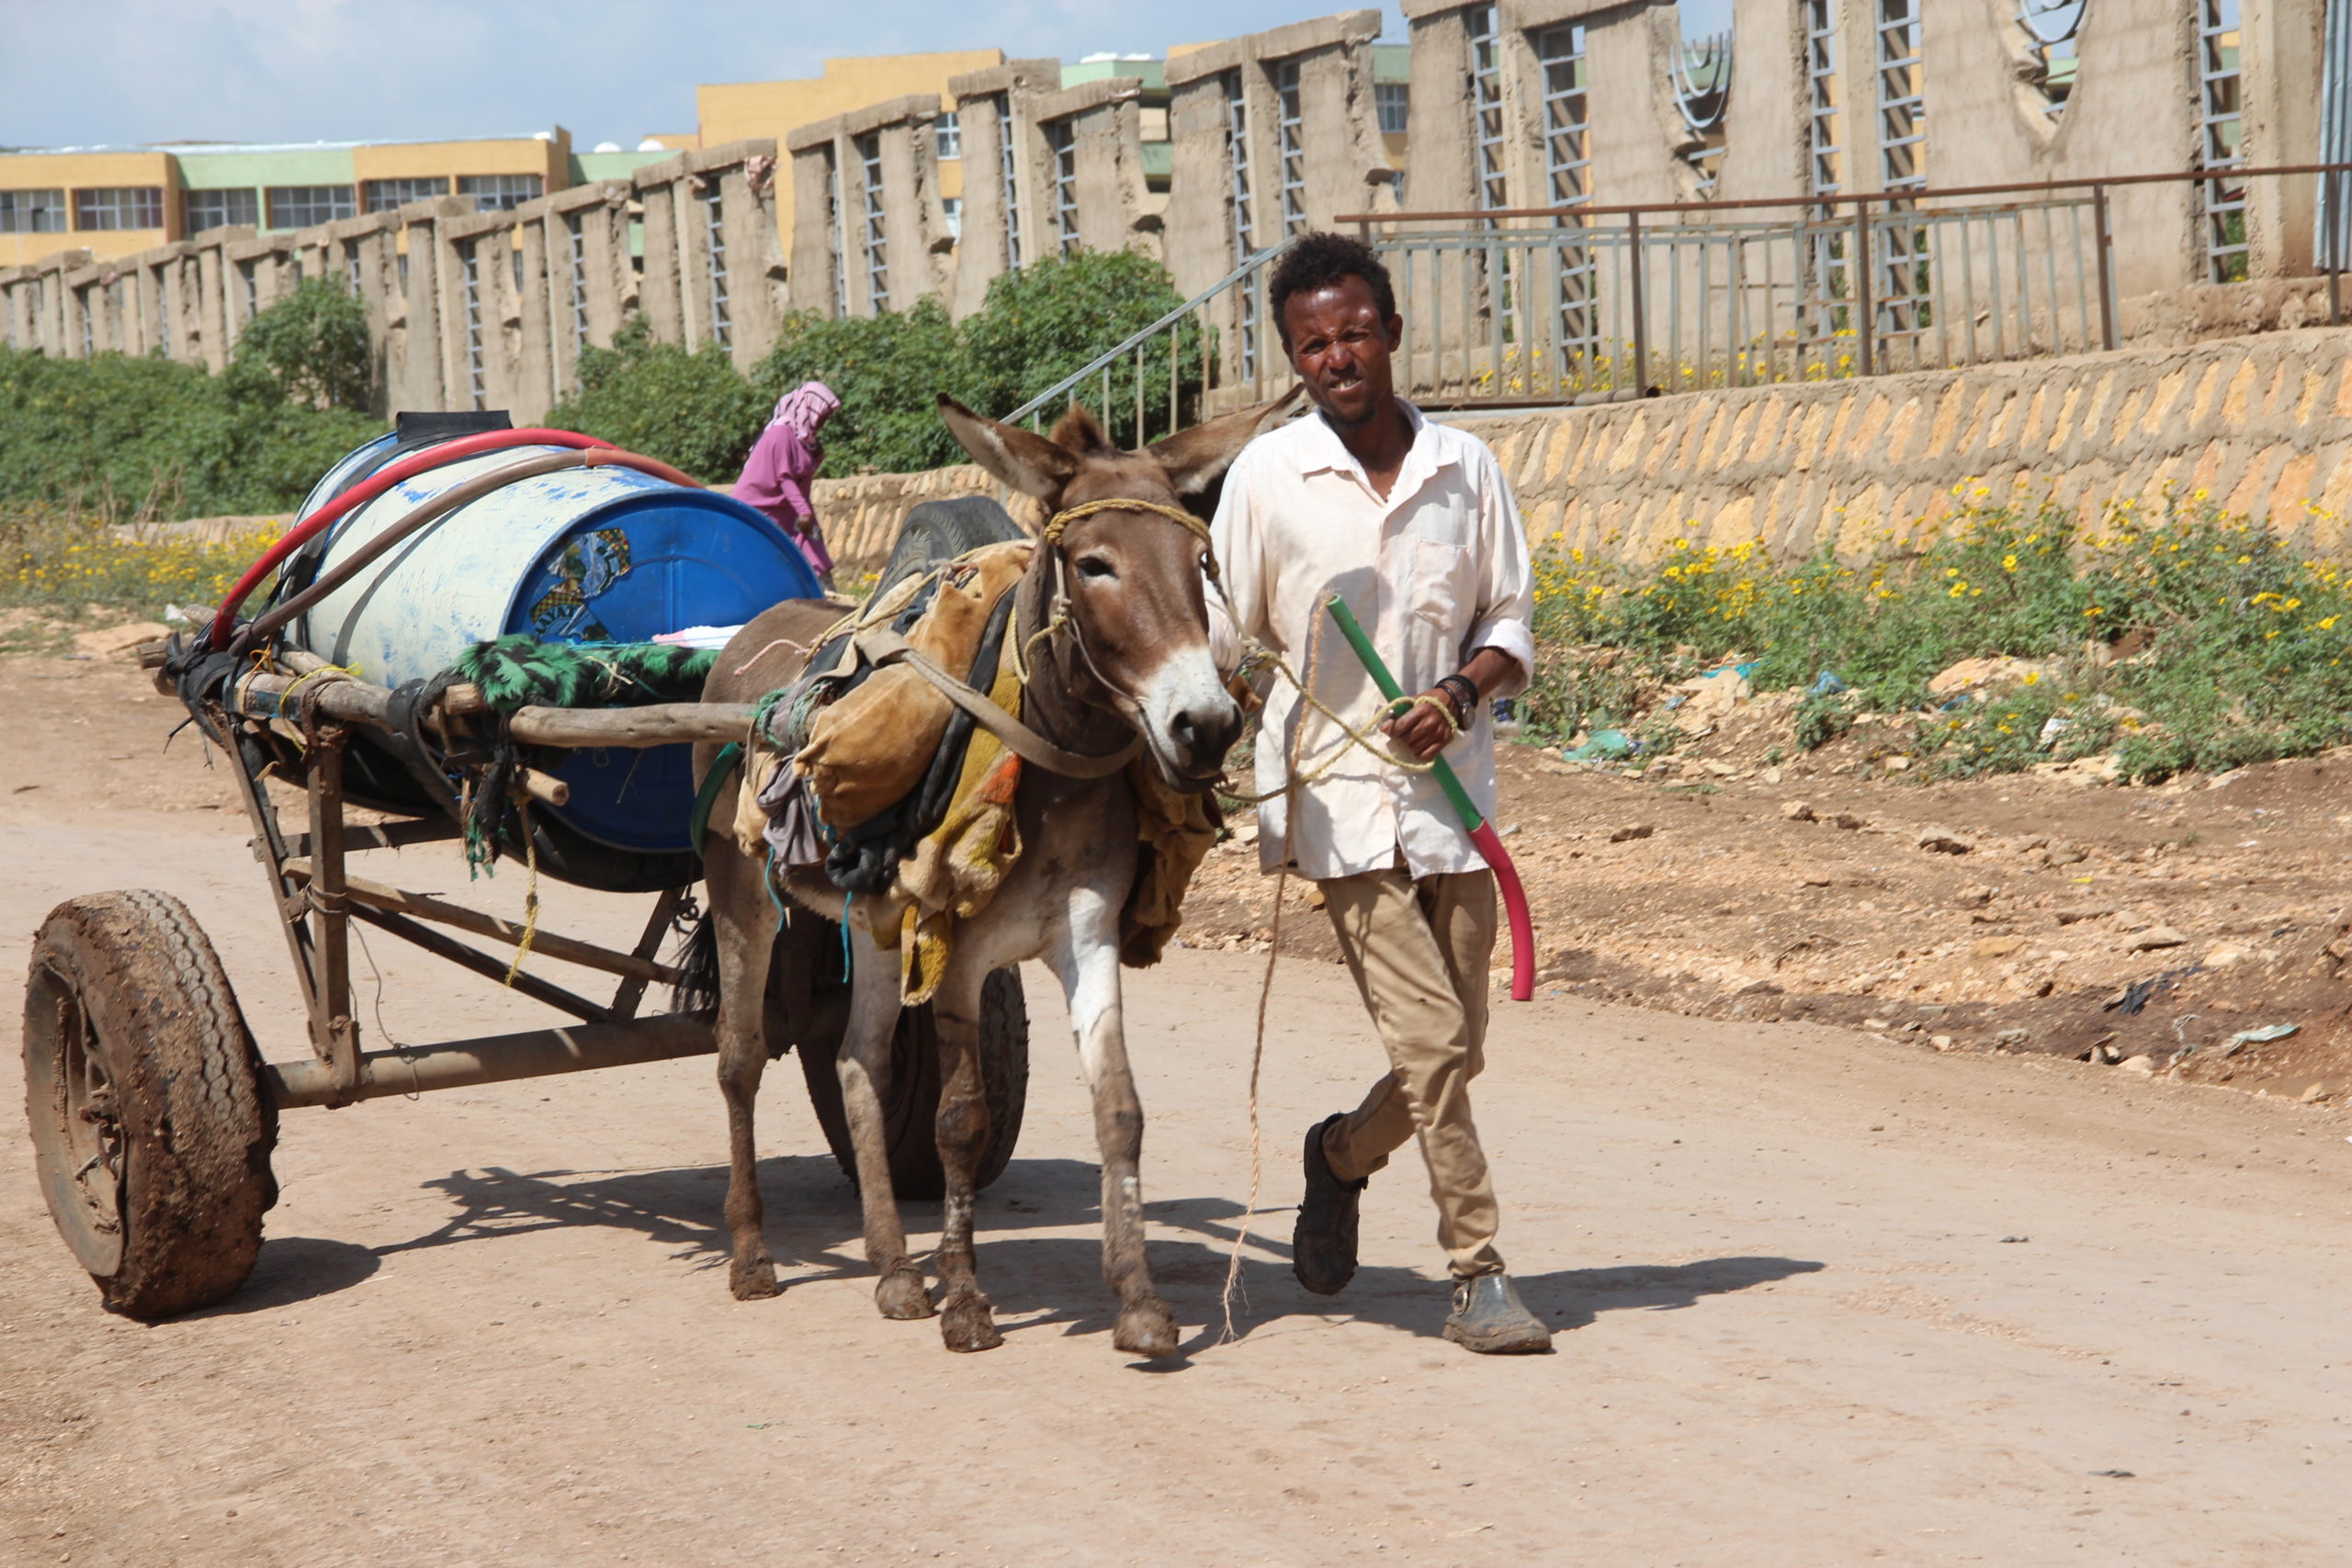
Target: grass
{"x": 2242, "y": 642}
{"x": 64, "y": 567}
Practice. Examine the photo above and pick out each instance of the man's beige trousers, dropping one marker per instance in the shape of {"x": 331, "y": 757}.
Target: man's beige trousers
{"x": 1420, "y": 952}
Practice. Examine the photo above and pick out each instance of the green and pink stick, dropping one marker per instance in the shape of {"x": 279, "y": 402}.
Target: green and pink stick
{"x": 1482, "y": 832}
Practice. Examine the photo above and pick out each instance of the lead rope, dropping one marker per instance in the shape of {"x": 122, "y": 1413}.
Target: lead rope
{"x": 1273, "y": 954}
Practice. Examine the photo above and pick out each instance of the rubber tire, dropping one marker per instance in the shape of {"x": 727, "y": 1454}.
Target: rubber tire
{"x": 941, "y": 530}
{"x": 128, "y": 984}
{"x": 910, "y": 1099}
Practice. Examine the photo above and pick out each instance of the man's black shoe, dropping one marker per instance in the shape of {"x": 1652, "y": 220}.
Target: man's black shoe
{"x": 1323, "y": 1245}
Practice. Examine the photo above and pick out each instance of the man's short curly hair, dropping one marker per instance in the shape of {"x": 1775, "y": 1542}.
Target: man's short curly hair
{"x": 1320, "y": 260}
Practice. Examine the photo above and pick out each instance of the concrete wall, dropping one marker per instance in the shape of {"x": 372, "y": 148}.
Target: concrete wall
{"x": 1116, "y": 209}
{"x": 914, "y": 251}
{"x": 1344, "y": 164}
{"x": 2262, "y": 425}
{"x": 862, "y": 513}
{"x": 995, "y": 107}
{"x": 709, "y": 272}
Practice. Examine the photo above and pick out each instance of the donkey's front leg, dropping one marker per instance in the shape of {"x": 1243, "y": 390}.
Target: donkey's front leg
{"x": 965, "y": 1323}
{"x": 1086, "y": 961}
{"x": 744, "y": 928}
{"x": 865, "y": 1070}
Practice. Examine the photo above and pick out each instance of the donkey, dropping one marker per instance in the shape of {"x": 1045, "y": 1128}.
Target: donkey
{"x": 1130, "y": 660}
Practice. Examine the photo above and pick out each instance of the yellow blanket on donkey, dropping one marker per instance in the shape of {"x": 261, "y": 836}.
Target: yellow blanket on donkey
{"x": 873, "y": 745}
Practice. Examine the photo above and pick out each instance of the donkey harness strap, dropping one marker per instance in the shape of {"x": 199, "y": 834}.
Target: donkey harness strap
{"x": 883, "y": 646}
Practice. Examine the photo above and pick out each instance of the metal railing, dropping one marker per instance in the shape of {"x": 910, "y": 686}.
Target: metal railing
{"x": 1595, "y": 304}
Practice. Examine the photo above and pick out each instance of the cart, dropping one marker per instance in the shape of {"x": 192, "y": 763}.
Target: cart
{"x": 153, "y": 1113}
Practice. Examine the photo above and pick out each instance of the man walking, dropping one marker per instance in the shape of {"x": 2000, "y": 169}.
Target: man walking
{"x": 1412, "y": 524}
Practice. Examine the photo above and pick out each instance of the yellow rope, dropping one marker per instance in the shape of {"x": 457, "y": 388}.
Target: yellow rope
{"x": 530, "y": 890}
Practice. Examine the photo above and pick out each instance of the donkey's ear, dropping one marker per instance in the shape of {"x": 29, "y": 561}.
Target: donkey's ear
{"x": 1026, "y": 461}
{"x": 1195, "y": 459}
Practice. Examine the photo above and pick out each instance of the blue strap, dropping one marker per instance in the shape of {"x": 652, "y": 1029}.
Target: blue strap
{"x": 729, "y": 758}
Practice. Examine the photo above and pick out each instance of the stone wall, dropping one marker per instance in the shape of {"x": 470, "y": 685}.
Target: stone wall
{"x": 2262, "y": 425}
{"x": 861, "y": 516}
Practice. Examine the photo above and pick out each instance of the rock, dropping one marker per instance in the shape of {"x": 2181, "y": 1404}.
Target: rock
{"x": 1711, "y": 699}
{"x": 2313, "y": 1095}
{"x": 1944, "y": 841}
{"x": 1879, "y": 1024}
{"x": 1895, "y": 764}
{"x": 2144, "y": 1065}
{"x": 1797, "y": 812}
{"x": 2012, "y": 1038}
{"x": 1940, "y": 1042}
{"x": 2226, "y": 954}
{"x": 1622, "y": 834}
{"x": 2068, "y": 855}
{"x": 1995, "y": 946}
{"x": 1972, "y": 674}
{"x": 1770, "y": 775}
{"x": 1973, "y": 897}
{"x": 2158, "y": 937}
{"x": 118, "y": 642}
{"x": 1846, "y": 820}
{"x": 1759, "y": 988}
{"x": 2087, "y": 912}
{"x": 1718, "y": 770}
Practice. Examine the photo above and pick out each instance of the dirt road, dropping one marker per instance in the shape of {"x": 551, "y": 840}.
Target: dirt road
{"x": 1824, "y": 1300}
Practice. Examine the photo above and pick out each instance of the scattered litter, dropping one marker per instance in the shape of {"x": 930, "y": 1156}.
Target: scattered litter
{"x": 2114, "y": 1474}
{"x": 698, "y": 636}
{"x": 2011, "y": 1238}
{"x": 1622, "y": 835}
{"x": 1603, "y": 745}
{"x": 2053, "y": 728}
{"x": 2246, "y": 1037}
{"x": 1826, "y": 685}
{"x": 2132, "y": 997}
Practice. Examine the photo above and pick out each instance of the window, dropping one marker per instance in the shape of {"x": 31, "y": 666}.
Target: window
{"x": 1291, "y": 142}
{"x": 2050, "y": 27}
{"x": 499, "y": 193}
{"x": 1700, "y": 73}
{"x": 1238, "y": 207}
{"x": 835, "y": 217}
{"x": 299, "y": 207}
{"x": 576, "y": 228}
{"x": 32, "y": 212}
{"x": 1567, "y": 167}
{"x": 1486, "y": 103}
{"x": 1061, "y": 140}
{"x": 384, "y": 196}
{"x": 469, "y": 290}
{"x": 1009, "y": 177}
{"x": 951, "y": 209}
{"x": 123, "y": 206}
{"x": 949, "y": 131}
{"x": 1393, "y": 102}
{"x": 2221, "y": 138}
{"x": 722, "y": 325}
{"x": 1902, "y": 98}
{"x": 220, "y": 208}
{"x": 877, "y": 256}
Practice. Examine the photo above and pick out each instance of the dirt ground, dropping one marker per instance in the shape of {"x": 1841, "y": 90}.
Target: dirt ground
{"x": 1825, "y": 1297}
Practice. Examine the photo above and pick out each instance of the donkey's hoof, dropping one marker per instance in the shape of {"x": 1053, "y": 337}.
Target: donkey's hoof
{"x": 1145, "y": 1330}
{"x": 966, "y": 1323}
{"x": 754, "y": 1280}
{"x": 900, "y": 1294}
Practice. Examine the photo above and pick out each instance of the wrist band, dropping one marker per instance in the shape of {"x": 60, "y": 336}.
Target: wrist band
{"x": 1464, "y": 693}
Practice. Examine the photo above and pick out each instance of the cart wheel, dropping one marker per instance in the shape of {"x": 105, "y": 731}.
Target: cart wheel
{"x": 910, "y": 1104}
{"x": 151, "y": 1132}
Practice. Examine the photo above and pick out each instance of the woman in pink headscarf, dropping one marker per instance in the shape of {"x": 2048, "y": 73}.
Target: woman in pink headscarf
{"x": 778, "y": 475}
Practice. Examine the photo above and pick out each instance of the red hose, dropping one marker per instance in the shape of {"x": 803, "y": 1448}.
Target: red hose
{"x": 1522, "y": 927}
{"x": 224, "y": 620}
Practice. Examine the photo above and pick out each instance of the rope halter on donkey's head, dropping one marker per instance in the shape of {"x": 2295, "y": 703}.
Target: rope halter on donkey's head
{"x": 1060, "y": 520}
{"x": 1058, "y": 618}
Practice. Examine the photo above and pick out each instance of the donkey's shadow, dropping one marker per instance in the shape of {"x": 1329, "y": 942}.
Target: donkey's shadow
{"x": 1035, "y": 1279}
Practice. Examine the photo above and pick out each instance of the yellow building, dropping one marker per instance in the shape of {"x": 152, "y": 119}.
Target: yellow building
{"x": 119, "y": 201}
{"x": 735, "y": 110}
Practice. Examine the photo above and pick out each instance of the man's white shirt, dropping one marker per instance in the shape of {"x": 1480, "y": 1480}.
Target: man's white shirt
{"x": 1435, "y": 572}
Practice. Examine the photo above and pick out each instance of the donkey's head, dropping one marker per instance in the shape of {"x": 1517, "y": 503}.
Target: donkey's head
{"x": 1130, "y": 566}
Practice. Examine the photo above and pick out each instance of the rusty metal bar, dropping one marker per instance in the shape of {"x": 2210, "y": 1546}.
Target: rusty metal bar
{"x": 499, "y": 1058}
{"x": 548, "y": 944}
{"x": 1641, "y": 308}
{"x": 2103, "y": 257}
{"x": 487, "y": 966}
{"x": 1859, "y": 270}
{"x": 631, "y": 993}
{"x": 335, "y": 1034}
{"x": 2037, "y": 188}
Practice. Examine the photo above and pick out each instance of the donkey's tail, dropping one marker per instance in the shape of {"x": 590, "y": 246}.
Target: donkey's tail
{"x": 697, "y": 962}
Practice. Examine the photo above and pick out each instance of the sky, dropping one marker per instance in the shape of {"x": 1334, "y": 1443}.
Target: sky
{"x": 79, "y": 72}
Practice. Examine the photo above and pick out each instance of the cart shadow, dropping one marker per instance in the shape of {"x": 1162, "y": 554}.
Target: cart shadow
{"x": 297, "y": 1269}
{"x": 1036, "y": 1282}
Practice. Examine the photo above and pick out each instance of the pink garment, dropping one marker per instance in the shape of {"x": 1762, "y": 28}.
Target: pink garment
{"x": 783, "y": 465}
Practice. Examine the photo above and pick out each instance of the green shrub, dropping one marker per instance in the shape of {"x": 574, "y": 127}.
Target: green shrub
{"x": 1035, "y": 326}
{"x": 124, "y": 437}
{"x": 309, "y": 348}
{"x": 692, "y": 409}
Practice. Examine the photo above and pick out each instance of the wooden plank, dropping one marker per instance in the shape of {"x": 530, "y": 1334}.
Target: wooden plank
{"x": 568, "y": 950}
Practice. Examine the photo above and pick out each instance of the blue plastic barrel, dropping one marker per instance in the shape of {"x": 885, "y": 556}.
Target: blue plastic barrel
{"x": 583, "y": 555}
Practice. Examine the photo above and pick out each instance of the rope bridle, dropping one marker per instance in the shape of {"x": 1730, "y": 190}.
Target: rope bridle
{"x": 1057, "y": 616}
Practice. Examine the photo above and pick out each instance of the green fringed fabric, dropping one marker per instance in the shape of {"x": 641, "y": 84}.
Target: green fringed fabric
{"x": 521, "y": 671}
